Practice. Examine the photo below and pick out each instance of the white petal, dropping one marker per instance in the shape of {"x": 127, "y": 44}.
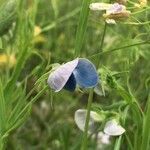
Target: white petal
{"x": 58, "y": 78}
{"x": 99, "y": 90}
{"x": 99, "y": 6}
{"x": 103, "y": 138}
{"x": 110, "y": 21}
{"x": 80, "y": 118}
{"x": 115, "y": 8}
{"x": 112, "y": 128}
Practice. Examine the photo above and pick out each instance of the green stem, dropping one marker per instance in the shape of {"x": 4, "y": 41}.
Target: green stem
{"x": 140, "y": 11}
{"x": 60, "y": 20}
{"x": 82, "y": 26}
{"x": 85, "y": 135}
{"x": 118, "y": 143}
{"x": 101, "y": 46}
{"x": 120, "y": 48}
{"x": 129, "y": 142}
{"x": 137, "y": 23}
{"x": 1, "y": 144}
{"x": 146, "y": 129}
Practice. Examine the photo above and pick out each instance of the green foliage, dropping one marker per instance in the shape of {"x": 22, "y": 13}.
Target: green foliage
{"x": 82, "y": 26}
{"x": 7, "y": 15}
{"x": 35, "y": 37}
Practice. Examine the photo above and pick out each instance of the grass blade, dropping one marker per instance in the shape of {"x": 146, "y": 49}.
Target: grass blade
{"x": 2, "y": 109}
{"x": 146, "y": 129}
{"x": 118, "y": 143}
{"x": 82, "y": 26}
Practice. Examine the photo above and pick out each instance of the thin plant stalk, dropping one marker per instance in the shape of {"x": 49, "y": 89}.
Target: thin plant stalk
{"x": 90, "y": 99}
{"x": 82, "y": 26}
{"x": 85, "y": 134}
{"x": 146, "y": 129}
{"x": 1, "y": 144}
{"x": 119, "y": 48}
{"x": 101, "y": 46}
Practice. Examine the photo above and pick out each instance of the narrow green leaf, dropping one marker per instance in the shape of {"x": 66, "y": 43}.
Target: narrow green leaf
{"x": 82, "y": 26}
{"x": 118, "y": 143}
{"x": 1, "y": 44}
{"x": 21, "y": 119}
{"x": 18, "y": 107}
{"x": 25, "y": 30}
{"x": 138, "y": 119}
{"x": 7, "y": 15}
{"x": 2, "y": 109}
{"x": 146, "y": 129}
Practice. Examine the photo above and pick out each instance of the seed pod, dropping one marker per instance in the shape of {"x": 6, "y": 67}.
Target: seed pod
{"x": 7, "y": 15}
{"x": 117, "y": 16}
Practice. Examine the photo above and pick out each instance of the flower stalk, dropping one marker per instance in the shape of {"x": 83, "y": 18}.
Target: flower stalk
{"x": 90, "y": 99}
{"x": 85, "y": 134}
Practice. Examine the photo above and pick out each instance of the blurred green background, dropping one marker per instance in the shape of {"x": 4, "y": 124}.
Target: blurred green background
{"x": 51, "y": 124}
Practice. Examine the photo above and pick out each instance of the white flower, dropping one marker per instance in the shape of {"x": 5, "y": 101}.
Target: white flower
{"x": 103, "y": 138}
{"x": 114, "y": 11}
{"x": 112, "y": 128}
{"x": 80, "y": 119}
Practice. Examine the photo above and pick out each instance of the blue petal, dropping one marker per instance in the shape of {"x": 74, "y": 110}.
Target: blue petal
{"x": 71, "y": 84}
{"x": 85, "y": 74}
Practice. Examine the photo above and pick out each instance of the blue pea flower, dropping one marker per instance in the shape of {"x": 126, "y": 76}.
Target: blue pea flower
{"x": 77, "y": 72}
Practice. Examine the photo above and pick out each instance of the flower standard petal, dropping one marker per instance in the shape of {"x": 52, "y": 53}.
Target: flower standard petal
{"x": 115, "y": 8}
{"x": 112, "y": 128}
{"x": 85, "y": 74}
{"x": 80, "y": 119}
{"x": 61, "y": 75}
